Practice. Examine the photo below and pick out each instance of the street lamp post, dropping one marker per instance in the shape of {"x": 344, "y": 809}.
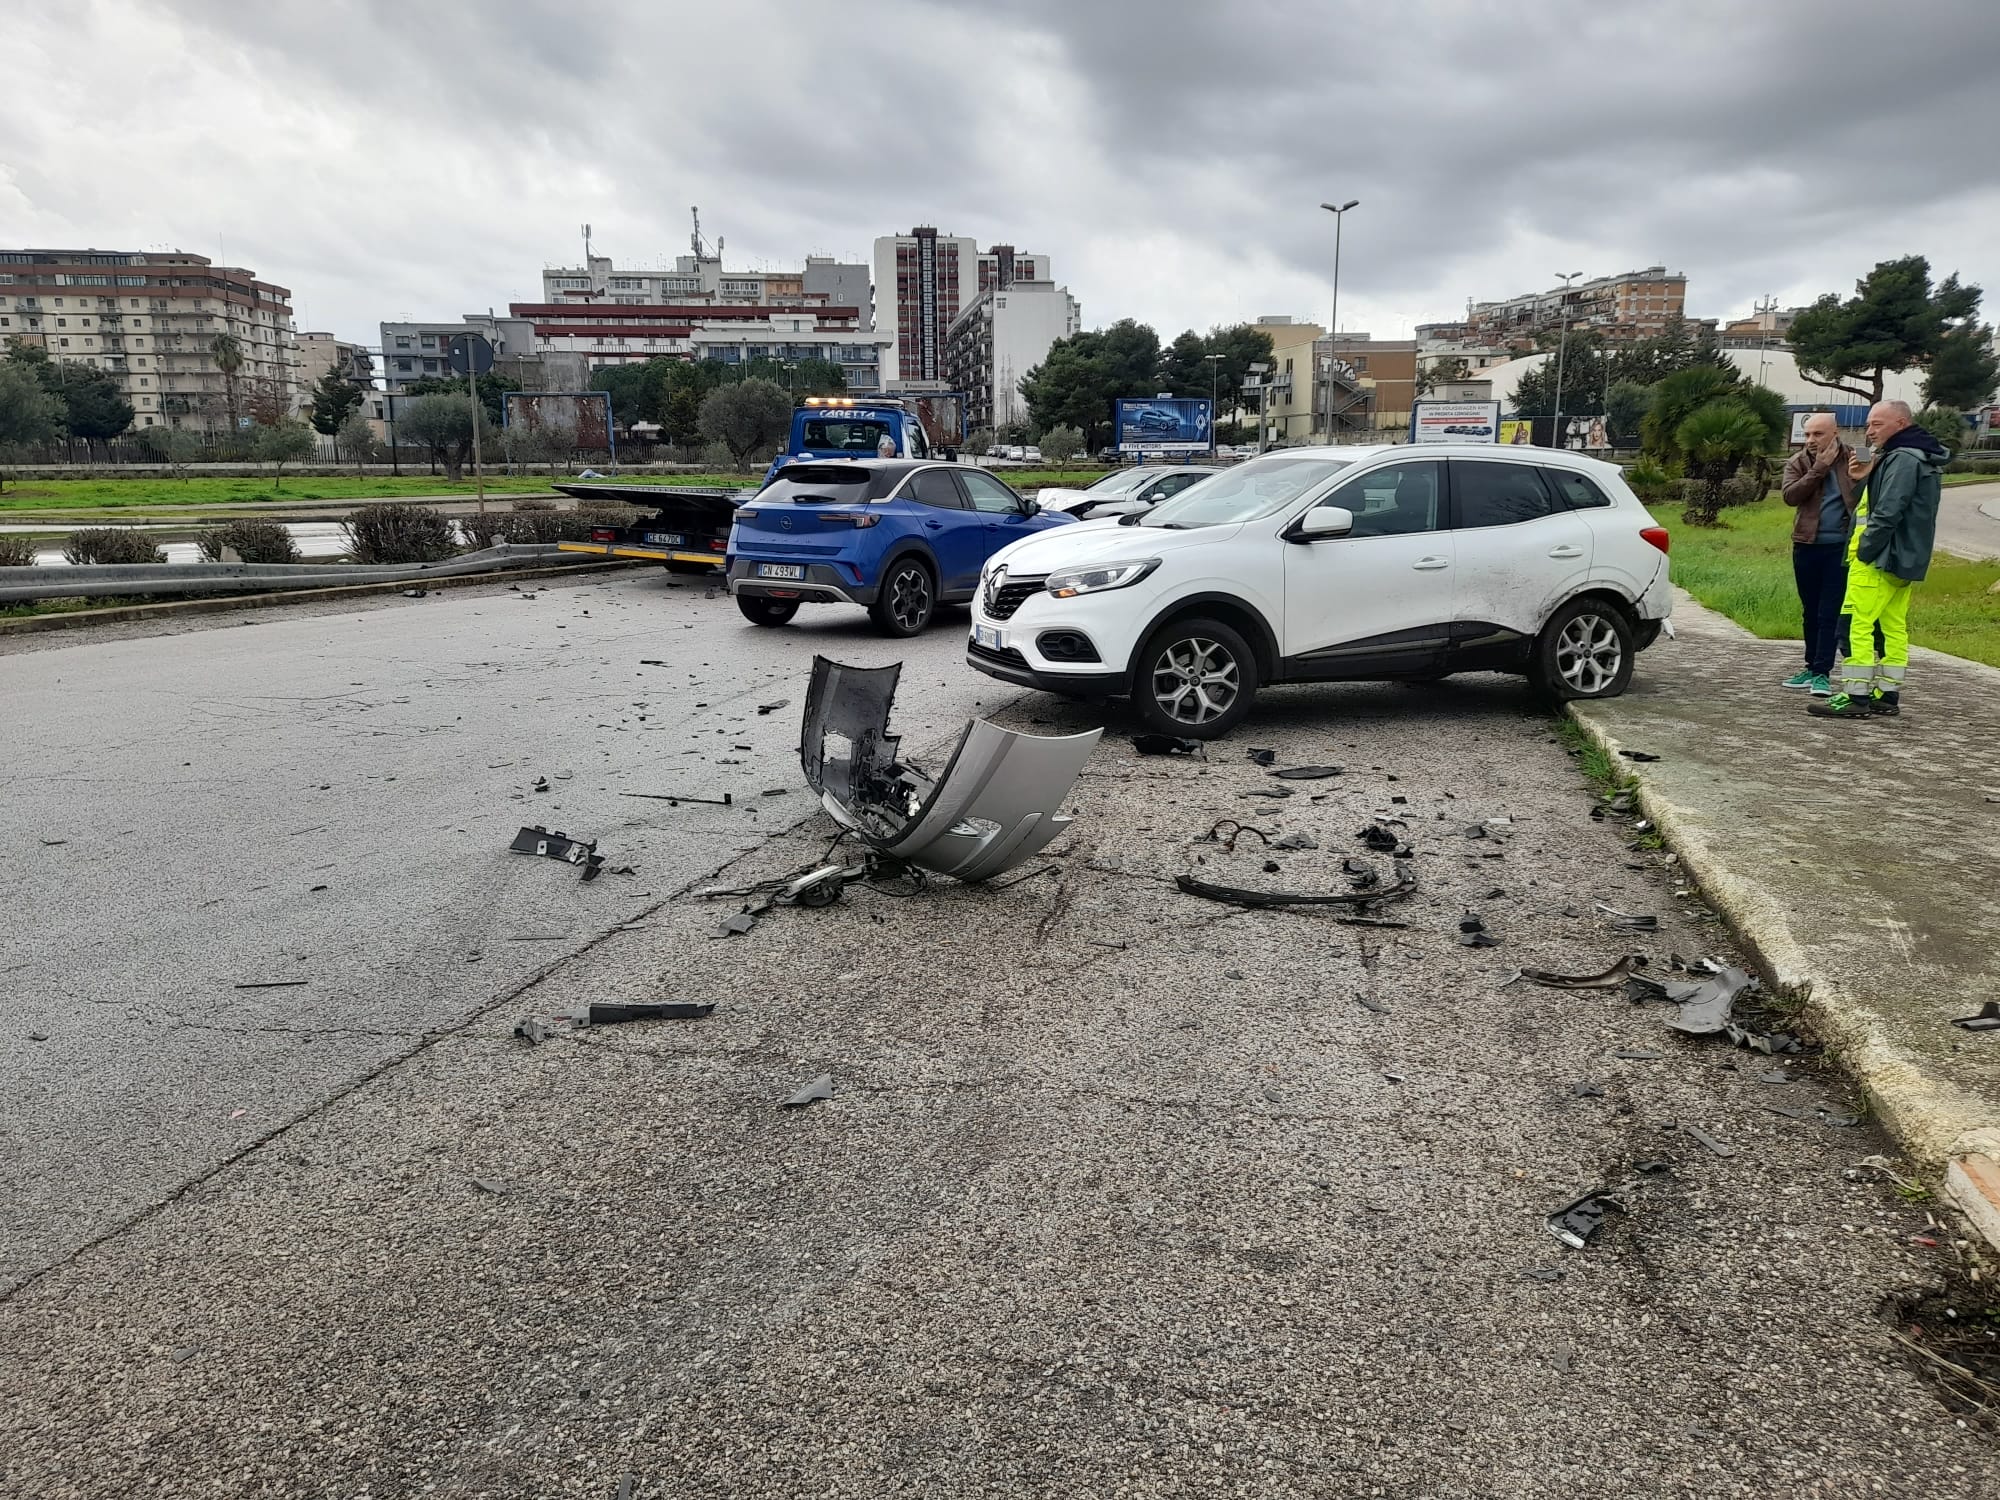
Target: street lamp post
{"x": 1562, "y": 347}
{"x": 1339, "y": 212}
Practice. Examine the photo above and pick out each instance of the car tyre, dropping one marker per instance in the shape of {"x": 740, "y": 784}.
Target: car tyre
{"x": 1585, "y": 651}
{"x": 759, "y": 611}
{"x": 1194, "y": 678}
{"x": 907, "y": 600}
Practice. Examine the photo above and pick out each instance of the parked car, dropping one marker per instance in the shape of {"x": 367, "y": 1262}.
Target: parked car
{"x": 1325, "y": 564}
{"x": 1122, "y": 491}
{"x": 894, "y": 536}
{"x": 1031, "y": 454}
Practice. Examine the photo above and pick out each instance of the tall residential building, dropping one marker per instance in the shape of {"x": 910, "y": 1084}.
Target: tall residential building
{"x": 152, "y": 319}
{"x": 418, "y": 351}
{"x": 321, "y": 354}
{"x": 923, "y": 280}
{"x": 701, "y": 279}
{"x": 1004, "y": 333}
{"x": 1621, "y": 309}
{"x": 595, "y": 333}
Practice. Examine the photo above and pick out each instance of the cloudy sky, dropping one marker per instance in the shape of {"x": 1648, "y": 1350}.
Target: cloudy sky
{"x": 423, "y": 158}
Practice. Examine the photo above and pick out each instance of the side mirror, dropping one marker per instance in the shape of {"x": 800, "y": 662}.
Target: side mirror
{"x": 1155, "y": 497}
{"x": 1324, "y": 521}
{"x": 1030, "y": 506}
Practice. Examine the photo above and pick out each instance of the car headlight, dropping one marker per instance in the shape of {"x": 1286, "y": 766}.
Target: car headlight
{"x": 1099, "y": 577}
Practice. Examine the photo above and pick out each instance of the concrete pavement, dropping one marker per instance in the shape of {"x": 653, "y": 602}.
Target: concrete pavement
{"x": 1862, "y": 862}
{"x": 1121, "y": 1193}
{"x": 325, "y": 794}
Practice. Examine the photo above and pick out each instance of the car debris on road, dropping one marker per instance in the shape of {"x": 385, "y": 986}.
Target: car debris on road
{"x": 538, "y": 840}
{"x": 820, "y": 1088}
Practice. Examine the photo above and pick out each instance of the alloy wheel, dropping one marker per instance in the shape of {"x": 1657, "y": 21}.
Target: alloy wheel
{"x": 1196, "y": 680}
{"x": 910, "y": 599}
{"x": 1589, "y": 654}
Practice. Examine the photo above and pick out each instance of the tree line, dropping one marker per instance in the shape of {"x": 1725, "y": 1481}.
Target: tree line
{"x": 1080, "y": 376}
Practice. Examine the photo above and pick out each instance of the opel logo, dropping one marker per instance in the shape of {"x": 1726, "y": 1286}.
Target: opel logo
{"x": 786, "y": 523}
{"x": 994, "y": 581}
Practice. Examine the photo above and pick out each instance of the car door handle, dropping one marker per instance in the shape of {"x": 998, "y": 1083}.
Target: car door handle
{"x": 1565, "y": 551}
{"x": 1430, "y": 564}
{"x": 934, "y": 525}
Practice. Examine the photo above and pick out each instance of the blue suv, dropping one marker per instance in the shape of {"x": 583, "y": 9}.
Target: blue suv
{"x": 894, "y": 535}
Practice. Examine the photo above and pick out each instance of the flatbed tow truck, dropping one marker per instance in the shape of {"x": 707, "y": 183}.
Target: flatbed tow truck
{"x": 688, "y": 531}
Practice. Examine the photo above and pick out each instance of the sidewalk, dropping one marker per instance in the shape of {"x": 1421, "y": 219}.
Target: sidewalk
{"x": 1860, "y": 860}
{"x": 1969, "y": 520}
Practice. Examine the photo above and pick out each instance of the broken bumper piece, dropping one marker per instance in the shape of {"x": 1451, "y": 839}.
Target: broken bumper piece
{"x": 995, "y": 805}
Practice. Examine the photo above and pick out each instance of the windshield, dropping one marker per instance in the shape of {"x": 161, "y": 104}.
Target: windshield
{"x": 1248, "y": 492}
{"x": 1119, "y": 481}
{"x": 843, "y": 434}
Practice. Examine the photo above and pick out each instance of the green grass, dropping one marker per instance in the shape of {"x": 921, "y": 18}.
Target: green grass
{"x": 125, "y": 494}
{"x": 1743, "y": 568}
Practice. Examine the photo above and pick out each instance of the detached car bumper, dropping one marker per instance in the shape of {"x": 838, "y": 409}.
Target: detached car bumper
{"x": 824, "y": 583}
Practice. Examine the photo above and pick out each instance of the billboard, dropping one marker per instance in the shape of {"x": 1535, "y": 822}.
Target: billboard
{"x": 1163, "y": 424}
{"x": 1517, "y": 430}
{"x": 1455, "y": 422}
{"x": 581, "y": 417}
{"x": 941, "y": 414}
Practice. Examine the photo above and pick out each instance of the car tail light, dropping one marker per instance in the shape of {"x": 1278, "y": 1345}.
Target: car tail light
{"x": 746, "y": 514}
{"x": 1657, "y": 535}
{"x": 718, "y": 544}
{"x": 859, "y": 519}
{"x": 603, "y": 534}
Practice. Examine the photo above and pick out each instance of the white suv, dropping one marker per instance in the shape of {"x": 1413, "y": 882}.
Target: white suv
{"x": 1322, "y": 564}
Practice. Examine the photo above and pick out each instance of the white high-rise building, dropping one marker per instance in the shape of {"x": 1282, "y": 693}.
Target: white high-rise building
{"x": 923, "y": 280}
{"x": 1003, "y": 334}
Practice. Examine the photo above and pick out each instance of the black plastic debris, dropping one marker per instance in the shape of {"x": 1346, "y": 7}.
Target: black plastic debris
{"x": 1770, "y": 1044}
{"x": 1638, "y": 1054}
{"x": 1369, "y": 1002}
{"x": 1610, "y": 979}
{"x": 1705, "y": 1007}
{"x": 1264, "y": 757}
{"x": 1640, "y": 755}
{"x": 771, "y": 708}
{"x": 1360, "y": 874}
{"x": 1653, "y": 1167}
{"x": 736, "y": 924}
{"x": 820, "y": 1088}
{"x": 1383, "y": 841}
{"x": 1236, "y": 831}
{"x": 612, "y": 1012}
{"x": 1720, "y": 1148}
{"x": 1272, "y": 867}
{"x": 1296, "y": 841}
{"x": 1235, "y": 896}
{"x": 1790, "y": 1114}
{"x": 533, "y": 1030}
{"x": 272, "y": 984}
{"x": 1630, "y": 921}
{"x": 1268, "y": 791}
{"x": 416, "y": 593}
{"x": 1165, "y": 744}
{"x": 541, "y": 783}
{"x": 1987, "y": 1019}
{"x": 675, "y": 799}
{"x": 1778, "y": 1076}
{"x": 1544, "y": 1273}
{"x": 539, "y": 840}
{"x": 1472, "y": 933}
{"x": 1307, "y": 773}
{"x": 1577, "y": 1221}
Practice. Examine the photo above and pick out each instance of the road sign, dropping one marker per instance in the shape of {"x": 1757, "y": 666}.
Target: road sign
{"x": 469, "y": 354}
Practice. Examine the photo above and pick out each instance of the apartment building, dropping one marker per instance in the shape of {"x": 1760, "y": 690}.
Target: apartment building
{"x": 321, "y": 354}
{"x": 1621, "y": 309}
{"x": 1288, "y": 405}
{"x": 420, "y": 351}
{"x": 1002, "y": 334}
{"x": 594, "y": 334}
{"x": 1366, "y": 383}
{"x": 700, "y": 279}
{"x": 152, "y": 318}
{"x": 924, "y": 280}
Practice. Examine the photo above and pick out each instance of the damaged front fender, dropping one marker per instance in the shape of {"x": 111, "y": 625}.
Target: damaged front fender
{"x": 996, "y": 804}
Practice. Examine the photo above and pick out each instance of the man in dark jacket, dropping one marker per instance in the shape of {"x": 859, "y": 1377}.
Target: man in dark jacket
{"x": 1895, "y": 525}
{"x": 1817, "y": 485}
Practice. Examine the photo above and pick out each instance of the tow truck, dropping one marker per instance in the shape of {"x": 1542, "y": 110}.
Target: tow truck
{"x": 929, "y": 424}
{"x": 688, "y": 530}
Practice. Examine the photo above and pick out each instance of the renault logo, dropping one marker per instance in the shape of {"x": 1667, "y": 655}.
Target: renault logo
{"x": 994, "y": 582}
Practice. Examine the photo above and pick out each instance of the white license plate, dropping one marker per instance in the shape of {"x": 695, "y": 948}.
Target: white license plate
{"x": 989, "y": 637}
{"x": 666, "y": 539}
{"x": 781, "y": 570}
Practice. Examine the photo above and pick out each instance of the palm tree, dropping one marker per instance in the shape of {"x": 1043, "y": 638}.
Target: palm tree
{"x": 227, "y": 351}
{"x": 1716, "y": 441}
{"x": 1675, "y": 399}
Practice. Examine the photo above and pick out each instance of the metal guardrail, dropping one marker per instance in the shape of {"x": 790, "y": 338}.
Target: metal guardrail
{"x": 113, "y": 580}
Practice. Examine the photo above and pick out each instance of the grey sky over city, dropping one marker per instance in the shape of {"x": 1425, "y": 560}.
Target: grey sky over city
{"x": 428, "y": 159}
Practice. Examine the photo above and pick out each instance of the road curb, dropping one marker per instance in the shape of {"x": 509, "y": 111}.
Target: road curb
{"x": 1935, "y": 1122}
{"x": 168, "y": 609}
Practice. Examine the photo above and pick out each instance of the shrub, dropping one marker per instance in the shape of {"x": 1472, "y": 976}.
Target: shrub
{"x": 1946, "y": 424}
{"x": 16, "y": 552}
{"x": 482, "y": 532}
{"x": 1982, "y": 464}
{"x": 111, "y": 544}
{"x": 252, "y": 541}
{"x": 1061, "y": 444}
{"x": 399, "y": 534}
{"x": 533, "y": 505}
{"x": 1650, "y": 481}
{"x": 1741, "y": 489}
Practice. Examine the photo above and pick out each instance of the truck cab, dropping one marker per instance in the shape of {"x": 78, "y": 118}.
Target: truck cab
{"x": 852, "y": 427}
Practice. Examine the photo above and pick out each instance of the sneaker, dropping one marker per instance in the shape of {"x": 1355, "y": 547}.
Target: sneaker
{"x": 1842, "y": 706}
{"x": 1821, "y": 688}
{"x": 1886, "y": 706}
{"x": 1800, "y": 679}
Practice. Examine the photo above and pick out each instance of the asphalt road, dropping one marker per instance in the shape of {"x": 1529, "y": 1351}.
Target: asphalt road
{"x": 1969, "y": 520}
{"x": 1121, "y": 1192}
{"x": 320, "y": 800}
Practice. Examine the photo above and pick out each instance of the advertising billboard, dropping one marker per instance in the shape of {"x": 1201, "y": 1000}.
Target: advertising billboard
{"x": 582, "y": 418}
{"x": 1162, "y": 424}
{"x": 1455, "y": 422}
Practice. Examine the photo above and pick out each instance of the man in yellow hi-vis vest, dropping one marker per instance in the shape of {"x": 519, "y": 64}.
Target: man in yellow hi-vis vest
{"x": 1895, "y": 526}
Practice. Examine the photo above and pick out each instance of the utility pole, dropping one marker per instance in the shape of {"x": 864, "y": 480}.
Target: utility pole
{"x": 1767, "y": 308}
{"x": 1339, "y": 213}
{"x": 1214, "y": 394}
{"x": 1562, "y": 346}
{"x": 1263, "y": 399}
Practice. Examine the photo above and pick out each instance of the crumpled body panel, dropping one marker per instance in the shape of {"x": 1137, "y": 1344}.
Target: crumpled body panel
{"x": 997, "y": 802}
